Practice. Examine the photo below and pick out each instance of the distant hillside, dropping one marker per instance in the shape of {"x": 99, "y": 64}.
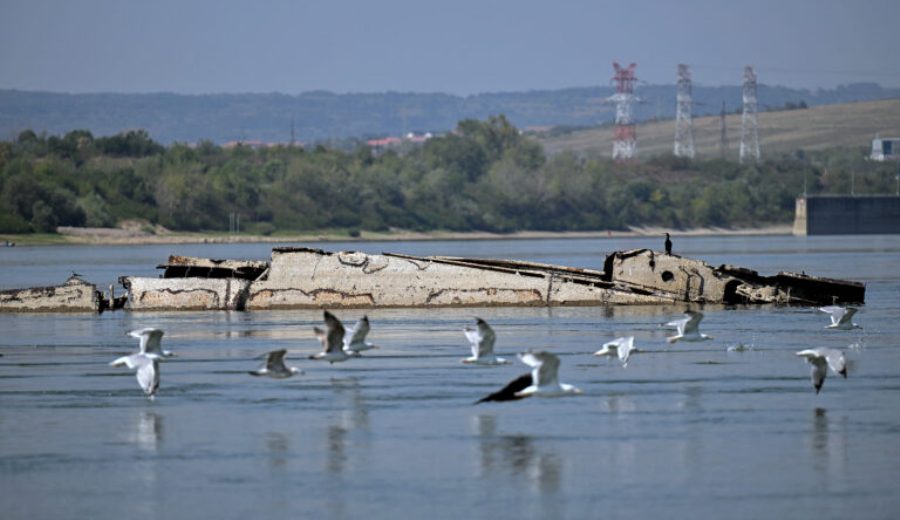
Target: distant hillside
{"x": 848, "y": 124}
{"x": 321, "y": 115}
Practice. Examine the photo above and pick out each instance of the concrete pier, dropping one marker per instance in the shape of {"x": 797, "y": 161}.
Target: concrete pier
{"x": 847, "y": 215}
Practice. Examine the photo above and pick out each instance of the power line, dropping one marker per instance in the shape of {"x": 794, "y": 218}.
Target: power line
{"x": 793, "y": 71}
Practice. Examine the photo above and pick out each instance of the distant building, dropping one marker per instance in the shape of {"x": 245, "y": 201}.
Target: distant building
{"x": 384, "y": 142}
{"x": 885, "y": 149}
{"x": 393, "y": 142}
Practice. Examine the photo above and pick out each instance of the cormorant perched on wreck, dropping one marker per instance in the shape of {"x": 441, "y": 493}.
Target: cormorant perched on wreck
{"x": 668, "y": 245}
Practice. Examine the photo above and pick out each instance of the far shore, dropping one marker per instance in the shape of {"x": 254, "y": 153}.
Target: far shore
{"x": 116, "y": 236}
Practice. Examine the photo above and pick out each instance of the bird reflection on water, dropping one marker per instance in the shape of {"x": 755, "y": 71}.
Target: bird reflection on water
{"x": 353, "y": 417}
{"x": 278, "y": 446}
{"x": 518, "y": 455}
{"x": 148, "y": 431}
{"x": 829, "y": 444}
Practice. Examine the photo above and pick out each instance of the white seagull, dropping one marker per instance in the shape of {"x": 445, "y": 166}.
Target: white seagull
{"x": 356, "y": 342}
{"x": 332, "y": 340}
{"x": 688, "y": 328}
{"x": 841, "y": 317}
{"x": 623, "y": 347}
{"x": 543, "y": 381}
{"x": 821, "y": 359}
{"x": 482, "y": 338}
{"x": 147, "y": 366}
{"x": 151, "y": 340}
{"x": 146, "y": 360}
{"x": 274, "y": 366}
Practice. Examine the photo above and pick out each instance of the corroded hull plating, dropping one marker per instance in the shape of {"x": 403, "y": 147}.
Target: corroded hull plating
{"x": 75, "y": 295}
{"x": 312, "y": 278}
{"x": 298, "y": 278}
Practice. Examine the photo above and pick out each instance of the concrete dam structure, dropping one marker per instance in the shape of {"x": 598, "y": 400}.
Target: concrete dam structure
{"x": 847, "y": 215}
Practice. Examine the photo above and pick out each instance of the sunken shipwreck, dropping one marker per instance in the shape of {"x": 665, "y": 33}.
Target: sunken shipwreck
{"x": 300, "y": 277}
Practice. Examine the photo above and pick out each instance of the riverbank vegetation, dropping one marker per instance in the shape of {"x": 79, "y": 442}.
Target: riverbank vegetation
{"x": 485, "y": 176}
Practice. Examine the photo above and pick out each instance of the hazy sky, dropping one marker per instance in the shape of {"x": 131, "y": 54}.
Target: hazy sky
{"x": 454, "y": 46}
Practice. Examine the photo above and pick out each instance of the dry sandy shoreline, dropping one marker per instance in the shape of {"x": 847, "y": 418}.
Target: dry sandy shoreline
{"x": 115, "y": 236}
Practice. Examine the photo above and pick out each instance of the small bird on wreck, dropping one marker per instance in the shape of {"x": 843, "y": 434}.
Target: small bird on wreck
{"x": 821, "y": 359}
{"x": 621, "y": 347}
{"x": 841, "y": 317}
{"x": 355, "y": 341}
{"x": 482, "y": 338}
{"x": 542, "y": 381}
{"x": 146, "y": 360}
{"x": 687, "y": 328}
{"x": 332, "y": 339}
{"x": 274, "y": 366}
{"x": 668, "y": 244}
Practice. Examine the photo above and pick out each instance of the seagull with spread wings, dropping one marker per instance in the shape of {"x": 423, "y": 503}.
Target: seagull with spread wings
{"x": 274, "y": 366}
{"x": 332, "y": 339}
{"x": 355, "y": 339}
{"x": 687, "y": 328}
{"x": 543, "y": 381}
{"x": 841, "y": 317}
{"x": 146, "y": 361}
{"x": 621, "y": 347}
{"x": 821, "y": 359}
{"x": 482, "y": 338}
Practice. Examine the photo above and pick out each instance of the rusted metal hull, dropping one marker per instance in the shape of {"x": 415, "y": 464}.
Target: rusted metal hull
{"x": 692, "y": 280}
{"x": 311, "y": 278}
{"x": 187, "y": 294}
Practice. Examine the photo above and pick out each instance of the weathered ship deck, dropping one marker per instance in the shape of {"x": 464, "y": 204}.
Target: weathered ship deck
{"x": 298, "y": 277}
{"x": 312, "y": 278}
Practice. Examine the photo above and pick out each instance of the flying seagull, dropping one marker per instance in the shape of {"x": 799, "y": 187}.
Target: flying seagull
{"x": 841, "y": 317}
{"x": 688, "y": 328}
{"x": 147, "y": 366}
{"x": 332, "y": 339}
{"x": 274, "y": 366}
{"x": 668, "y": 244}
{"x": 482, "y": 338}
{"x": 622, "y": 347}
{"x": 355, "y": 342}
{"x": 821, "y": 358}
{"x": 543, "y": 381}
{"x": 151, "y": 342}
{"x": 146, "y": 360}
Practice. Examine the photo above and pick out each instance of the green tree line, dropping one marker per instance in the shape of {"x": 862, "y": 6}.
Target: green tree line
{"x": 483, "y": 176}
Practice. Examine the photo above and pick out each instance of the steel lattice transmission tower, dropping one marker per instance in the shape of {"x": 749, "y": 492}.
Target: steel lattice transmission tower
{"x": 684, "y": 133}
{"x": 749, "y": 122}
{"x": 723, "y": 134}
{"x": 625, "y": 143}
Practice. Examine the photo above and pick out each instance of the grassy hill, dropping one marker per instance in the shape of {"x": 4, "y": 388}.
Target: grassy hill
{"x": 816, "y": 128}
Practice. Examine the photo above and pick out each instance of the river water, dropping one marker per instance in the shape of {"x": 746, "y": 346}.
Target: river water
{"x": 685, "y": 431}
